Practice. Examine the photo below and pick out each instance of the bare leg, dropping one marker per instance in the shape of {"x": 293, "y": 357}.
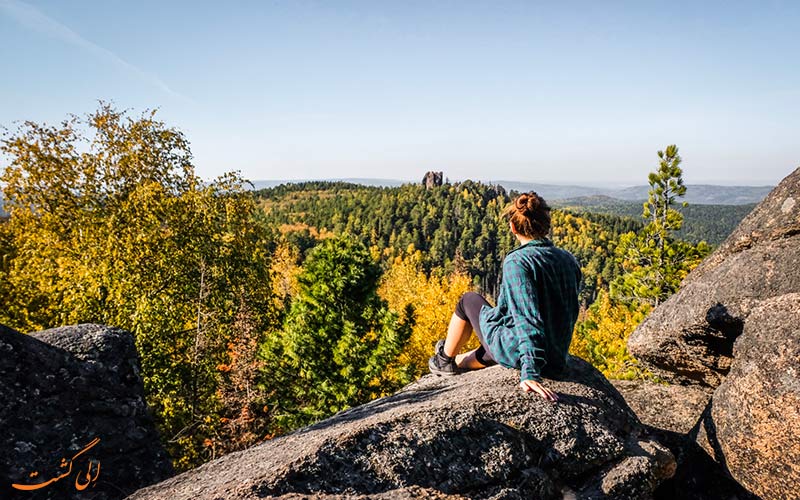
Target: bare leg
{"x": 468, "y": 361}
{"x": 458, "y": 333}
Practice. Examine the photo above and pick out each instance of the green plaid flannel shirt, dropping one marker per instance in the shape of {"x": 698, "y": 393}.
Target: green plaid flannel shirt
{"x": 537, "y": 307}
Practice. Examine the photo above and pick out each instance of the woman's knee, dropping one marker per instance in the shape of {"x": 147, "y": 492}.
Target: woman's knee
{"x": 468, "y": 297}
{"x": 460, "y": 311}
{"x": 468, "y": 304}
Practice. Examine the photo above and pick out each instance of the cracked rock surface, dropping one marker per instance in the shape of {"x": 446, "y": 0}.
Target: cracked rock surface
{"x": 674, "y": 408}
{"x": 734, "y": 329}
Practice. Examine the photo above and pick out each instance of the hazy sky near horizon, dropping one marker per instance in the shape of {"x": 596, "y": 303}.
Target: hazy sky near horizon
{"x": 555, "y": 92}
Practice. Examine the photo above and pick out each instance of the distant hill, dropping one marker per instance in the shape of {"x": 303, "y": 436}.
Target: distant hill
{"x": 697, "y": 194}
{"x": 704, "y": 194}
{"x": 456, "y": 226}
{"x": 712, "y": 223}
{"x": 258, "y": 185}
{"x": 550, "y": 191}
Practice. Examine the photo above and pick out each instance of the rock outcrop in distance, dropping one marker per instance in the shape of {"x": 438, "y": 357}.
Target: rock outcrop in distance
{"x": 475, "y": 435}
{"x": 432, "y": 179}
{"x": 734, "y": 328}
{"x": 70, "y": 389}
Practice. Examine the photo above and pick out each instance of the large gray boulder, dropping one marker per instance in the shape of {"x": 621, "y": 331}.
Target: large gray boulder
{"x": 753, "y": 426}
{"x": 60, "y": 391}
{"x": 475, "y": 435}
{"x": 689, "y": 338}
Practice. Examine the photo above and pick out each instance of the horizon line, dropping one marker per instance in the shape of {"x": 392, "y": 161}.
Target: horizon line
{"x": 498, "y": 181}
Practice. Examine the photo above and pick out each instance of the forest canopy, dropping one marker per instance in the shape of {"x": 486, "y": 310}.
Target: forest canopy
{"x": 256, "y": 313}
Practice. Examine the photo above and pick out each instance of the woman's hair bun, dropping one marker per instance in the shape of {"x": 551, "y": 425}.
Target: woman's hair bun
{"x": 529, "y": 203}
{"x": 530, "y": 214}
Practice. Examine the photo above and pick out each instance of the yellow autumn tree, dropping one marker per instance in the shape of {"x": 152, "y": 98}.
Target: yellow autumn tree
{"x": 601, "y": 338}
{"x": 110, "y": 224}
{"x": 284, "y": 270}
{"x": 433, "y": 298}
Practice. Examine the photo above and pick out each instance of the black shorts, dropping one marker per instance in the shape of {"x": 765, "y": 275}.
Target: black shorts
{"x": 469, "y": 309}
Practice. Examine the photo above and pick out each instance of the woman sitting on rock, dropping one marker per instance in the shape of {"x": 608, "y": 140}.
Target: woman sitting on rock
{"x": 530, "y": 329}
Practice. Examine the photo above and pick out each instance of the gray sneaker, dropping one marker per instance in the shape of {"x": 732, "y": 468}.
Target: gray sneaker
{"x": 440, "y": 364}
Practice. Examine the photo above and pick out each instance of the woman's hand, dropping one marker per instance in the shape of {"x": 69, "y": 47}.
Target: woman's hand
{"x": 538, "y": 388}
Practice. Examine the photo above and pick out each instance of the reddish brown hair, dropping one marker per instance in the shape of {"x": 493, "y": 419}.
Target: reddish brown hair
{"x": 530, "y": 215}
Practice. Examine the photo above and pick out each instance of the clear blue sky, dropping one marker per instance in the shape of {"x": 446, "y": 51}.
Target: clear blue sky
{"x": 562, "y": 92}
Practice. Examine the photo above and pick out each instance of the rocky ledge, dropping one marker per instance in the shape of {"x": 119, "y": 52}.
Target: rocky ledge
{"x": 734, "y": 330}
{"x": 475, "y": 435}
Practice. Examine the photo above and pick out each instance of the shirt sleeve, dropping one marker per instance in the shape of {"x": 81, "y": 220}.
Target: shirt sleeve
{"x": 523, "y": 305}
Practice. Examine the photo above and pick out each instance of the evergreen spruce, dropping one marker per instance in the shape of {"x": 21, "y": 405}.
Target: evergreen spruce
{"x": 337, "y": 340}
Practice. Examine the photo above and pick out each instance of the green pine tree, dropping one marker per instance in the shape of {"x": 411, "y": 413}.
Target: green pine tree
{"x": 337, "y": 340}
{"x": 665, "y": 186}
{"x": 654, "y": 261}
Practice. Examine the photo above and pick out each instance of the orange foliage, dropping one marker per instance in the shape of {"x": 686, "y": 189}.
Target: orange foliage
{"x": 601, "y": 337}
{"x": 434, "y": 300}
